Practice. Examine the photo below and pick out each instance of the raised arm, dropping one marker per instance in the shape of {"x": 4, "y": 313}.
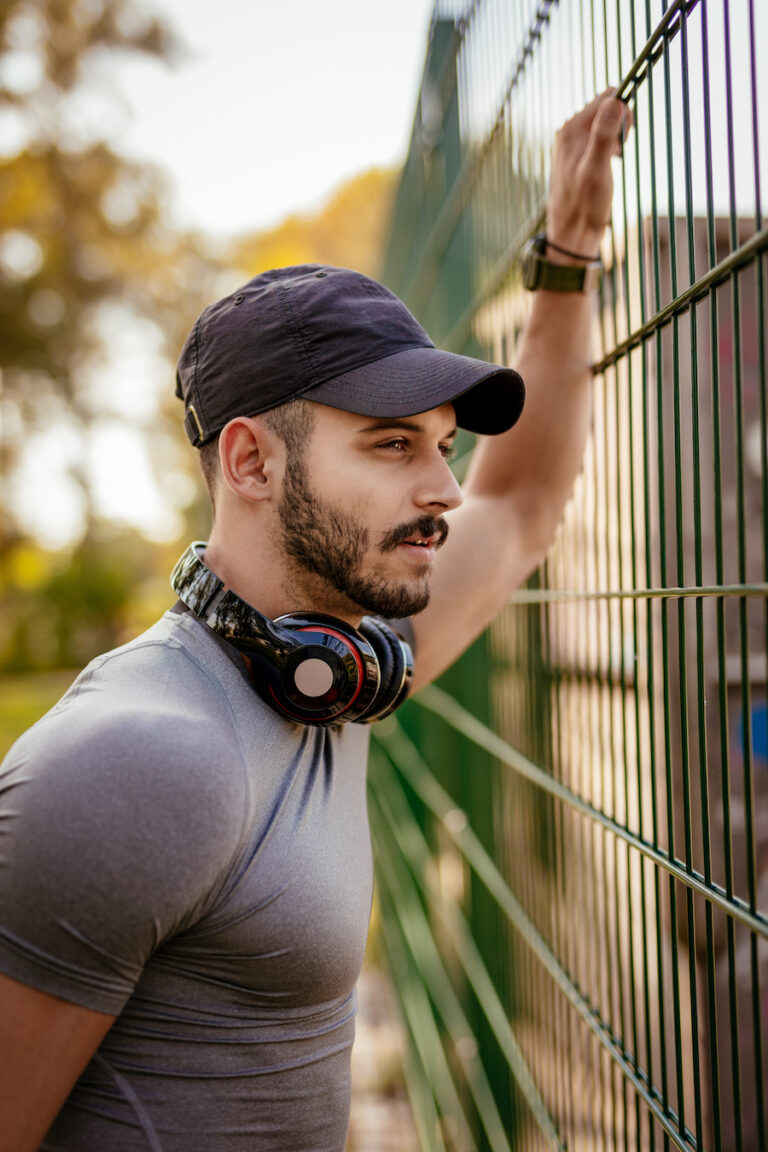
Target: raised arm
{"x": 519, "y": 482}
{"x": 45, "y": 1043}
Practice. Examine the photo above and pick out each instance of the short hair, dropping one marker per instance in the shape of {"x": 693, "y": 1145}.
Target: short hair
{"x": 292, "y": 422}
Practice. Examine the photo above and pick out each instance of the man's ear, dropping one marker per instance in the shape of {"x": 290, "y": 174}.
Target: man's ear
{"x": 251, "y": 458}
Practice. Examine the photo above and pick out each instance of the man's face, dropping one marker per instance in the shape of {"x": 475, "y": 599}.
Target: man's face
{"x": 362, "y": 509}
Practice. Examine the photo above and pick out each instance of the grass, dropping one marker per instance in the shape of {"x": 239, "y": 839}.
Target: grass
{"x": 25, "y": 697}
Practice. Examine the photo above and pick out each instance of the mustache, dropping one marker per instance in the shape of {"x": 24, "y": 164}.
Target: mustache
{"x": 426, "y": 526}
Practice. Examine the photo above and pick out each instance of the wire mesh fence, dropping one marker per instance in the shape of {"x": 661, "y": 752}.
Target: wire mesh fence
{"x": 572, "y": 827}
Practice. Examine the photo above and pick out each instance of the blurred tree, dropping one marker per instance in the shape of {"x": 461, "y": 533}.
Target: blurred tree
{"x": 62, "y": 609}
{"x": 88, "y": 259}
{"x": 85, "y": 248}
{"x": 350, "y": 230}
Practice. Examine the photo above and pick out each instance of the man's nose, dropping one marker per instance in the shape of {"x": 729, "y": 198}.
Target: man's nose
{"x": 439, "y": 488}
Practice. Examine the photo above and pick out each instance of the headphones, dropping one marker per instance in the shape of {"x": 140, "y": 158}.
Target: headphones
{"x": 311, "y": 668}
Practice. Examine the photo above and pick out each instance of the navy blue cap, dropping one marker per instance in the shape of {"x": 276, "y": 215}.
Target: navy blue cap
{"x": 336, "y": 337}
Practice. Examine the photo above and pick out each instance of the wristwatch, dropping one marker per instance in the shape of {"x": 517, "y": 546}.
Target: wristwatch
{"x": 540, "y": 273}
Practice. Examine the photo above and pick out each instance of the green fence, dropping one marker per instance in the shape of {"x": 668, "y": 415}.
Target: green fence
{"x": 571, "y": 829}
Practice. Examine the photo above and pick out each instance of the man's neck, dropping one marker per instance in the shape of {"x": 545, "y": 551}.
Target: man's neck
{"x": 268, "y": 580}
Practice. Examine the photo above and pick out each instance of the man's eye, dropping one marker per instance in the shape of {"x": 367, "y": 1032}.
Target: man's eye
{"x": 399, "y": 444}
{"x": 448, "y": 451}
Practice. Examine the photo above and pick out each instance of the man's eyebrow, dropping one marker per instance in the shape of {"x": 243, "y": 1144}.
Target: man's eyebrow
{"x": 403, "y": 425}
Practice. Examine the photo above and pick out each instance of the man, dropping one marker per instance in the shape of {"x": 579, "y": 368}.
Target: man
{"x": 185, "y": 874}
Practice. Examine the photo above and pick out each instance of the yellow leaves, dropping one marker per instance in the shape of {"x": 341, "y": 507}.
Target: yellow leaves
{"x": 28, "y": 193}
{"x": 349, "y": 230}
{"x": 27, "y": 568}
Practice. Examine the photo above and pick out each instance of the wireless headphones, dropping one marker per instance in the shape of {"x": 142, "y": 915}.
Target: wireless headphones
{"x": 311, "y": 668}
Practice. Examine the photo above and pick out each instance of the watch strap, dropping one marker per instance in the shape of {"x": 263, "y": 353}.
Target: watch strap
{"x": 540, "y": 274}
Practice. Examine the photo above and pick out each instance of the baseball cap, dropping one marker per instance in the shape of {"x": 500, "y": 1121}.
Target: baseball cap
{"x": 337, "y": 337}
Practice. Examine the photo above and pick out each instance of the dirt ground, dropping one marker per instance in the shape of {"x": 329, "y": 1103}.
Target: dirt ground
{"x": 381, "y": 1119}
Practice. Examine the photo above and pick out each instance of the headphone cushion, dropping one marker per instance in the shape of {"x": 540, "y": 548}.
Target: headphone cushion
{"x": 389, "y": 654}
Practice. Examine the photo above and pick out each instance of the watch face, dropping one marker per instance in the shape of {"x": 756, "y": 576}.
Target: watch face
{"x": 530, "y": 265}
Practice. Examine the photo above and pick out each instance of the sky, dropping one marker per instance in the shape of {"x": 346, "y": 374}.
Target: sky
{"x": 271, "y": 105}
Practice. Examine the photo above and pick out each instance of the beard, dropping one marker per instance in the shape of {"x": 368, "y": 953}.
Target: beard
{"x": 332, "y": 544}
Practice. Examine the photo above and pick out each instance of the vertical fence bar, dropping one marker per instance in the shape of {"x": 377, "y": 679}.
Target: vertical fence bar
{"x": 625, "y": 673}
{"x": 758, "y": 978}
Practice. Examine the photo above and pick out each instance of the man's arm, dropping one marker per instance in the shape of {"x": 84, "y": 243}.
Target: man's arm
{"x": 519, "y": 482}
{"x": 45, "y": 1043}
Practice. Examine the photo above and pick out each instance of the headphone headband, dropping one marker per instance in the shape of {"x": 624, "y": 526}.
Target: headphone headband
{"x": 207, "y": 597}
{"x": 312, "y": 668}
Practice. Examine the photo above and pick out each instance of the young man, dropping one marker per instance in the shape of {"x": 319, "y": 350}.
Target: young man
{"x": 185, "y": 872}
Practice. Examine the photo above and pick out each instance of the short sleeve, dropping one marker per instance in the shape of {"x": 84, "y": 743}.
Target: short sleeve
{"x": 116, "y": 832}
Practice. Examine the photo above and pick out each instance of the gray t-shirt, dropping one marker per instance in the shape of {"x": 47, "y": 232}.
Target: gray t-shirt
{"x": 173, "y": 851}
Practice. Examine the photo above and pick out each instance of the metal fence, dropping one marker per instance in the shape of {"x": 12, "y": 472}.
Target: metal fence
{"x": 571, "y": 829}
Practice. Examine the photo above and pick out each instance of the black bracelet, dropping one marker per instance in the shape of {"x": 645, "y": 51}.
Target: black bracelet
{"x": 573, "y": 255}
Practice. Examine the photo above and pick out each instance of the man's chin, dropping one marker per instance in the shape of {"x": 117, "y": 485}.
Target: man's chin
{"x": 391, "y": 601}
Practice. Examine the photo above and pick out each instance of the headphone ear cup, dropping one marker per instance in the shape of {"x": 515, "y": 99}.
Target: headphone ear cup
{"x": 342, "y": 658}
{"x": 395, "y": 667}
{"x": 310, "y": 667}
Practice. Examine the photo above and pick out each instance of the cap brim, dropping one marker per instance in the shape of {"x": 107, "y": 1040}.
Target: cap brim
{"x": 487, "y": 399}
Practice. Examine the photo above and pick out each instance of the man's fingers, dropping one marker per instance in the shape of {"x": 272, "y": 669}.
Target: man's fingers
{"x": 581, "y": 187}
{"x": 589, "y": 111}
{"x": 605, "y": 118}
{"x": 609, "y": 130}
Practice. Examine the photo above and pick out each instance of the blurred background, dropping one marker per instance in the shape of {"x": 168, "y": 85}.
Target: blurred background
{"x": 152, "y": 157}
{"x": 570, "y": 828}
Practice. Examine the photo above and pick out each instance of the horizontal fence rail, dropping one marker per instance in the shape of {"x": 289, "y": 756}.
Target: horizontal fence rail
{"x": 571, "y": 829}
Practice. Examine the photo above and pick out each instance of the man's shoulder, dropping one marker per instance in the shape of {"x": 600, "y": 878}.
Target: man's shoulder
{"x": 173, "y": 669}
{"x": 175, "y": 649}
{"x": 158, "y": 703}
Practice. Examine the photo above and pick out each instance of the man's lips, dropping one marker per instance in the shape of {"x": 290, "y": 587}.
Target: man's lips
{"x": 424, "y": 548}
{"x": 432, "y": 541}
{"x": 418, "y": 553}
{"x": 427, "y": 535}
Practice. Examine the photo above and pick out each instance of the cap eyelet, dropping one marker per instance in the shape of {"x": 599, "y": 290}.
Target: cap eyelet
{"x": 239, "y": 299}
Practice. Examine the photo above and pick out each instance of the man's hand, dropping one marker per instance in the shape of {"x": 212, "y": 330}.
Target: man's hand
{"x": 581, "y": 185}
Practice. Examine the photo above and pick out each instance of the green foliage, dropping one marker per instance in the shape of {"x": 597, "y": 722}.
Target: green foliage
{"x": 61, "y": 610}
{"x": 25, "y": 698}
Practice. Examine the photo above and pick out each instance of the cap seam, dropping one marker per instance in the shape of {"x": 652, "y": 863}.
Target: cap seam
{"x": 287, "y": 306}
